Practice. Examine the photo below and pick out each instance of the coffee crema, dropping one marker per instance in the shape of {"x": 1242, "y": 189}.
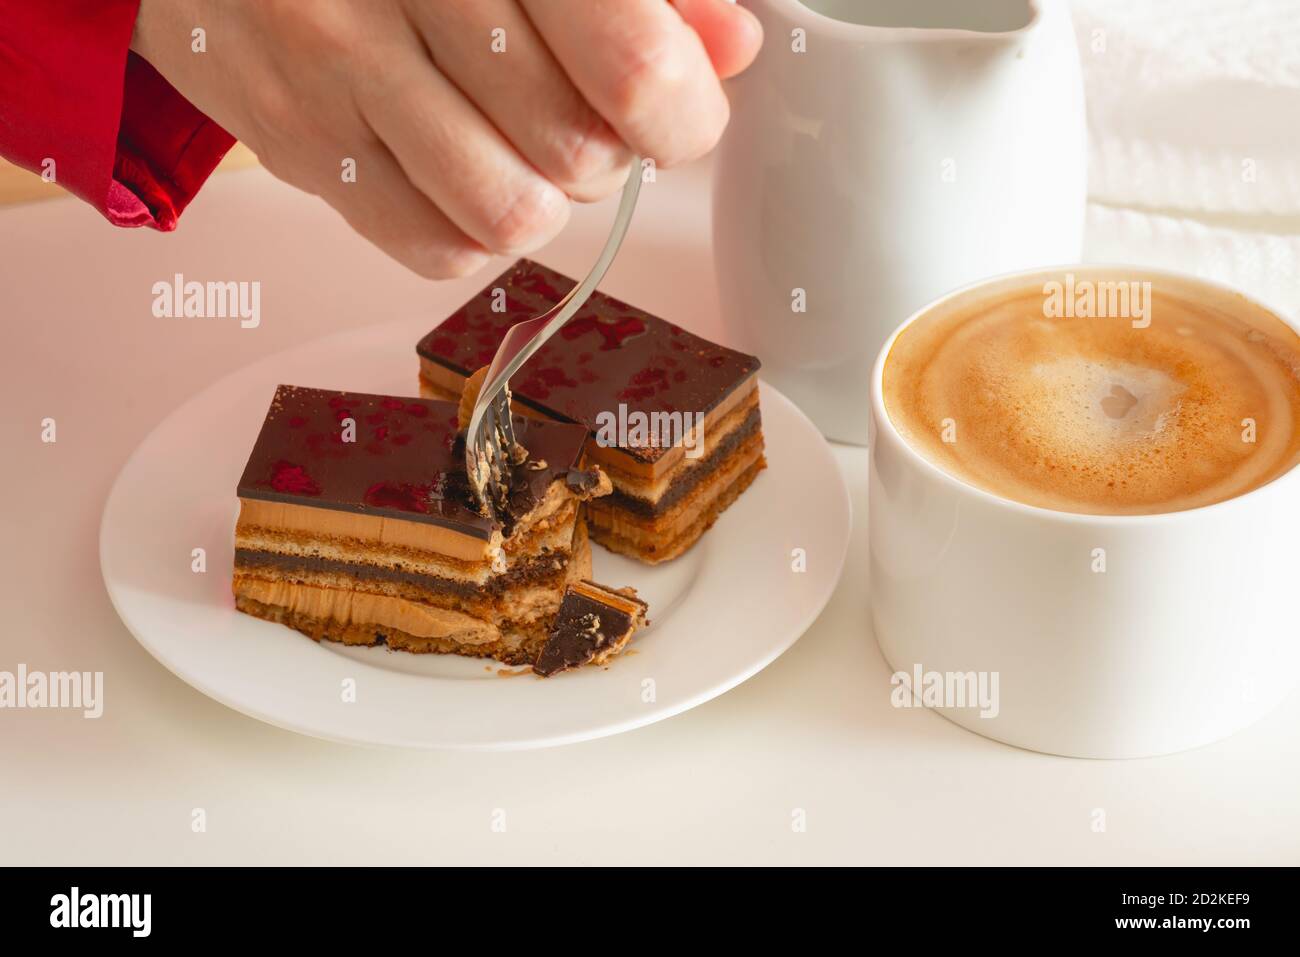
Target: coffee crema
{"x": 1095, "y": 415}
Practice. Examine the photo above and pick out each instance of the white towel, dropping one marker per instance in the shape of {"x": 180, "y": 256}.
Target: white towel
{"x": 1193, "y": 104}
{"x": 1265, "y": 265}
{"x": 1194, "y": 124}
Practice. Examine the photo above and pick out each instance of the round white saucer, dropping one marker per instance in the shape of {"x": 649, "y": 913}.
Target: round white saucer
{"x": 720, "y": 613}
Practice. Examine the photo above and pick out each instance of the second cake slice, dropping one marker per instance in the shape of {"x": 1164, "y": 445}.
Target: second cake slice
{"x": 674, "y": 419}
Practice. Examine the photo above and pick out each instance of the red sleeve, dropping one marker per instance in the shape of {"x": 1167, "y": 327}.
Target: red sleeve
{"x": 119, "y": 135}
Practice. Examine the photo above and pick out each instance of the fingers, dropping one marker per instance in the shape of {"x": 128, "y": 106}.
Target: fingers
{"x": 380, "y": 203}
{"x": 492, "y": 53}
{"x": 730, "y": 33}
{"x": 642, "y": 68}
{"x": 329, "y": 151}
{"x": 383, "y": 206}
{"x": 454, "y": 156}
{"x": 472, "y": 122}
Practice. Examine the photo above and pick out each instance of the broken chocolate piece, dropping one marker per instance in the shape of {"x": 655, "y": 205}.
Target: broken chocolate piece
{"x": 582, "y": 480}
{"x": 593, "y": 625}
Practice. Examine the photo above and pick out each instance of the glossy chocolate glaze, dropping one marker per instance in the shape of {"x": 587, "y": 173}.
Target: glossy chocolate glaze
{"x": 407, "y": 461}
{"x": 610, "y": 353}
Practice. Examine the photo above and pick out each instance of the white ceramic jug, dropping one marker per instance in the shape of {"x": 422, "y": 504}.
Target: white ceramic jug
{"x": 881, "y": 153}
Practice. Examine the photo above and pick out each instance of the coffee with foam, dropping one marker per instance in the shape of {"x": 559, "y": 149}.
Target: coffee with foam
{"x": 1196, "y": 402}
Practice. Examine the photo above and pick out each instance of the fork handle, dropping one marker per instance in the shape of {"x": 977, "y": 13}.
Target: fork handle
{"x": 525, "y": 338}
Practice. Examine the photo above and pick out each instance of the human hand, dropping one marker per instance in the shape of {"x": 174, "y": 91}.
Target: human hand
{"x": 466, "y": 141}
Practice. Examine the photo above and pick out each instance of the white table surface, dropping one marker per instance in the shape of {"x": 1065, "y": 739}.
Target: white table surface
{"x": 815, "y": 731}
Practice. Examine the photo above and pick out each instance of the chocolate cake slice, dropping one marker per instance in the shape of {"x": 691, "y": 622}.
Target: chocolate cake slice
{"x": 674, "y": 418}
{"x": 594, "y": 624}
{"x": 357, "y": 525}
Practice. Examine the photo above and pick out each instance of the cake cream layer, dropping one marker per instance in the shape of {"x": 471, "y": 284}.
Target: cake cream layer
{"x": 296, "y": 530}
{"x": 640, "y": 489}
{"x": 345, "y": 608}
{"x": 380, "y": 579}
{"x": 541, "y": 563}
{"x": 690, "y": 498}
{"x": 528, "y": 612}
{"x": 468, "y": 640}
{"x": 664, "y": 536}
{"x": 513, "y": 631}
{"x": 652, "y": 498}
{"x": 671, "y": 520}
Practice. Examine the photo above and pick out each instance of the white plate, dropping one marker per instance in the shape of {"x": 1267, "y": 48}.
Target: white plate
{"x": 719, "y": 614}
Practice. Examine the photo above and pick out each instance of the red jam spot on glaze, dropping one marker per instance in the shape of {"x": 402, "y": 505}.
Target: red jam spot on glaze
{"x": 402, "y": 439}
{"x": 538, "y": 286}
{"x": 417, "y": 410}
{"x": 297, "y": 422}
{"x": 540, "y": 382}
{"x": 342, "y": 414}
{"x": 514, "y": 306}
{"x": 404, "y": 496}
{"x": 718, "y": 361}
{"x": 393, "y": 405}
{"x": 456, "y": 323}
{"x": 327, "y": 445}
{"x": 291, "y": 479}
{"x": 644, "y": 384}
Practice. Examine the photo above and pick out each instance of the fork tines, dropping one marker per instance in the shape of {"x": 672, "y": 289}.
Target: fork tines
{"x": 494, "y": 446}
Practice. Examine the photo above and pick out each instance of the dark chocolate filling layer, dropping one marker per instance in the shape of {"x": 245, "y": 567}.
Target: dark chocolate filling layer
{"x": 689, "y": 479}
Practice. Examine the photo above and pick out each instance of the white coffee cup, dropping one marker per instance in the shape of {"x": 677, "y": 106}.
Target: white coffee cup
{"x": 1187, "y": 634}
{"x": 879, "y": 154}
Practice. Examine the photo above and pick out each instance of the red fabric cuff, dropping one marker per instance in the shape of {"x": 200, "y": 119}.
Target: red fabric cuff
{"x": 166, "y": 150}
{"x": 119, "y": 135}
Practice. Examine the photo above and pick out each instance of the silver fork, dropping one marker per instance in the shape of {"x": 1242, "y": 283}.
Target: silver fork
{"x": 490, "y": 446}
